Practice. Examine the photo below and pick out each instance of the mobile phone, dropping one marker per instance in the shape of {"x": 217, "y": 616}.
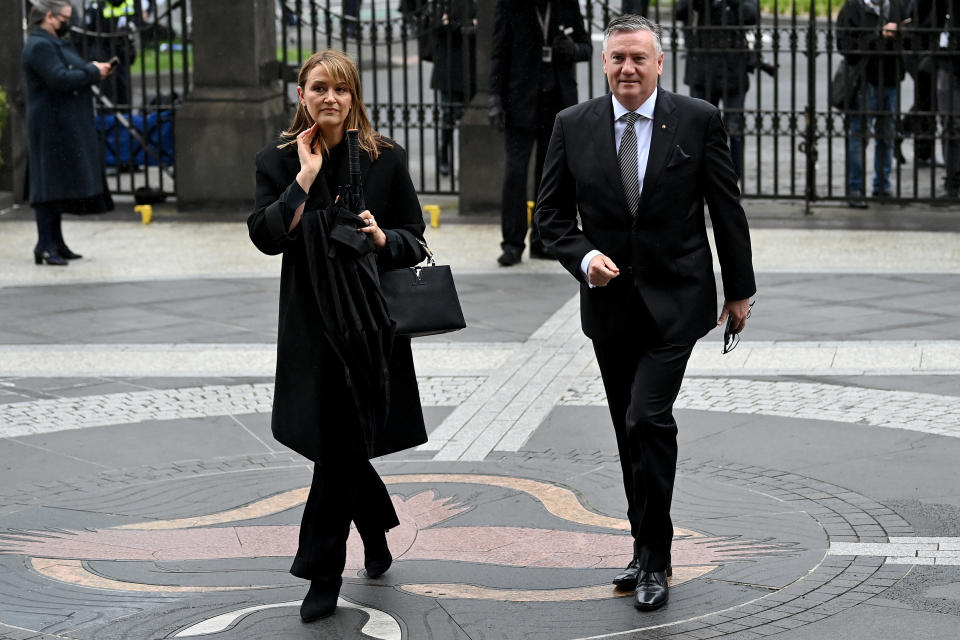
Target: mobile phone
{"x": 113, "y": 62}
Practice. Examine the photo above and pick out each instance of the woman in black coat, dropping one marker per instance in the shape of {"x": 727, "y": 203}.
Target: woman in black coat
{"x": 66, "y": 169}
{"x": 314, "y": 409}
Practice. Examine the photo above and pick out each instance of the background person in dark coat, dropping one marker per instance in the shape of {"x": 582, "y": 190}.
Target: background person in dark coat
{"x": 313, "y": 410}
{"x": 945, "y": 14}
{"x": 454, "y": 74}
{"x": 719, "y": 59}
{"x": 920, "y": 44}
{"x": 532, "y": 77}
{"x": 65, "y": 154}
{"x": 639, "y": 7}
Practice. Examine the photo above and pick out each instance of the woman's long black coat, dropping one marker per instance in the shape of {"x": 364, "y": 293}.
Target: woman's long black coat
{"x": 66, "y": 167}
{"x": 313, "y": 411}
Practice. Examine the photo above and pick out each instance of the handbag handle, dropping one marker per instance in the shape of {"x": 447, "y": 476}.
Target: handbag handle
{"x": 430, "y": 259}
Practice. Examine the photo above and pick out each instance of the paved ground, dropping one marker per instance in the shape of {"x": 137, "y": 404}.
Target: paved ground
{"x": 817, "y": 495}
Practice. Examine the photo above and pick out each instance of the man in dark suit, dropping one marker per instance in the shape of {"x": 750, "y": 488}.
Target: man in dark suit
{"x": 641, "y": 254}
{"x": 535, "y": 46}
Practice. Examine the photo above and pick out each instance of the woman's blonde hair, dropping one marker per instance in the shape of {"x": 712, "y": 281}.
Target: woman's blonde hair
{"x": 342, "y": 69}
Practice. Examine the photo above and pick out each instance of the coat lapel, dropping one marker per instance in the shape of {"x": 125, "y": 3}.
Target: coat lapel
{"x": 606, "y": 151}
{"x": 661, "y": 141}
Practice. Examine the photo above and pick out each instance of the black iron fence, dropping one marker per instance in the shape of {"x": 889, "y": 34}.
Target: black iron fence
{"x": 418, "y": 61}
{"x": 149, "y": 40}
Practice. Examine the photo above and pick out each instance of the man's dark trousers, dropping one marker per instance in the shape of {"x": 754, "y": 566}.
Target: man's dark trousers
{"x": 518, "y": 143}
{"x": 642, "y": 377}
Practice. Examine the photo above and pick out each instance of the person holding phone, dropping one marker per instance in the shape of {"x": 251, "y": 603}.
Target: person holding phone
{"x": 66, "y": 173}
{"x": 315, "y": 410}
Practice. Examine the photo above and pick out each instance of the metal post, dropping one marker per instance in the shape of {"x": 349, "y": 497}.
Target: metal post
{"x": 809, "y": 146}
{"x": 13, "y": 140}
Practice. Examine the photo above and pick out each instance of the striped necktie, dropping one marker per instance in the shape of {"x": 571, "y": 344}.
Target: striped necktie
{"x": 628, "y": 162}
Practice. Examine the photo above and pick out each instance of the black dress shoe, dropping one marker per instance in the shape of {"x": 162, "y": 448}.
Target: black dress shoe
{"x": 652, "y": 590}
{"x": 508, "y": 258}
{"x": 627, "y": 581}
{"x": 376, "y": 556}
{"x": 321, "y": 599}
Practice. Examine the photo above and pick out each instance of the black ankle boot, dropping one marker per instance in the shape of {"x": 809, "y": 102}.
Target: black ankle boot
{"x": 66, "y": 254}
{"x": 376, "y": 555}
{"x": 49, "y": 256}
{"x": 46, "y": 250}
{"x": 62, "y": 248}
{"x": 321, "y": 599}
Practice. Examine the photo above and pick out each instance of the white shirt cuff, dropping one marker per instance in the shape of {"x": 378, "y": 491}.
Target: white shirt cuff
{"x": 585, "y": 263}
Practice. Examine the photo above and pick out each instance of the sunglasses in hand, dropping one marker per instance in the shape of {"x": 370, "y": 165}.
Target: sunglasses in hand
{"x": 730, "y": 338}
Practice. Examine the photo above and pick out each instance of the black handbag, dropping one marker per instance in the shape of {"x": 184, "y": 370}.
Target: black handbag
{"x": 845, "y": 85}
{"x": 422, "y": 300}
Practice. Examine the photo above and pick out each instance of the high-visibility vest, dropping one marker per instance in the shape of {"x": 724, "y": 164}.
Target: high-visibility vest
{"x": 118, "y": 11}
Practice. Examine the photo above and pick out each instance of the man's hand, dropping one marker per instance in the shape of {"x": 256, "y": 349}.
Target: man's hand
{"x": 889, "y": 30}
{"x": 564, "y": 48}
{"x": 498, "y": 117}
{"x": 739, "y": 309}
{"x": 601, "y": 271}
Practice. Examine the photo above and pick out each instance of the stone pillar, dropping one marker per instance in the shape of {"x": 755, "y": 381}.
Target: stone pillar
{"x": 234, "y": 107}
{"x": 13, "y": 138}
{"x": 481, "y": 146}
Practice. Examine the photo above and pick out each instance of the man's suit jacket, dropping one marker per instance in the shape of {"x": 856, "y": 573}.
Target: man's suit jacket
{"x": 515, "y": 58}
{"x": 663, "y": 253}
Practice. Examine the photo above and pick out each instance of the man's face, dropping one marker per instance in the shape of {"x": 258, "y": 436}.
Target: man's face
{"x": 632, "y": 66}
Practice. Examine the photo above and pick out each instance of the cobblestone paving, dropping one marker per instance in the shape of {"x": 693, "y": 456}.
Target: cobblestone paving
{"x": 924, "y": 412}
{"x": 752, "y": 357}
{"x": 905, "y": 550}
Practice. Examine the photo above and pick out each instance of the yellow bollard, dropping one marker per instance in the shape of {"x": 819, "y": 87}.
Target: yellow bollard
{"x": 434, "y": 211}
{"x": 145, "y": 211}
{"x": 529, "y": 212}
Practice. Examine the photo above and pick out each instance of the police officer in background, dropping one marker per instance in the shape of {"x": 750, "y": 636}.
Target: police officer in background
{"x": 536, "y": 45}
{"x": 115, "y": 22}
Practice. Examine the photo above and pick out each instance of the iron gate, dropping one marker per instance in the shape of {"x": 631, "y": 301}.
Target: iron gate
{"x": 135, "y": 105}
{"x": 794, "y": 143}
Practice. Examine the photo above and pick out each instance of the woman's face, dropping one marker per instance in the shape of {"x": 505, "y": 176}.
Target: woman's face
{"x": 328, "y": 102}
{"x": 58, "y": 23}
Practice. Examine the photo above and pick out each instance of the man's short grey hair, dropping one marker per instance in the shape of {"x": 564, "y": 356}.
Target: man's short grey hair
{"x": 629, "y": 23}
{"x": 40, "y": 8}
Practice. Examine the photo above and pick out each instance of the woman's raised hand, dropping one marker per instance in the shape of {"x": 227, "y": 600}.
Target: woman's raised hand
{"x": 311, "y": 157}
